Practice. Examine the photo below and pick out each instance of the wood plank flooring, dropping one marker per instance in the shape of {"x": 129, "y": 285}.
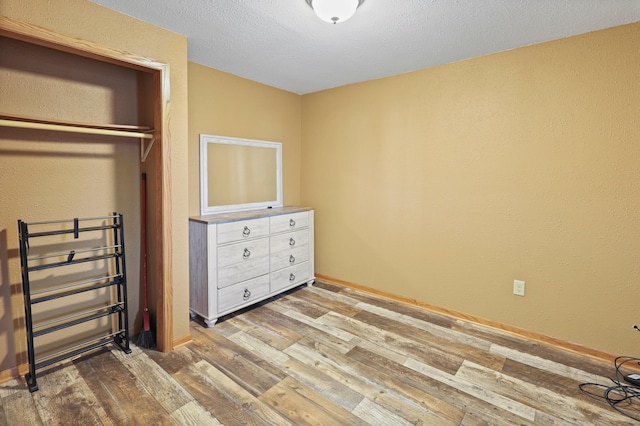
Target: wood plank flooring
{"x": 322, "y": 355}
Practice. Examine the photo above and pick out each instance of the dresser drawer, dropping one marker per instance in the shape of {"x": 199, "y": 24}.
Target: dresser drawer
{"x": 289, "y": 222}
{"x": 289, "y": 241}
{"x": 290, "y": 276}
{"x": 294, "y": 256}
{"x": 242, "y": 293}
{"x": 242, "y": 261}
{"x": 243, "y": 252}
{"x": 242, "y": 230}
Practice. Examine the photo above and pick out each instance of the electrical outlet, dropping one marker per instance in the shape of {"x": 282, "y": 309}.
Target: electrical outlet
{"x": 518, "y": 287}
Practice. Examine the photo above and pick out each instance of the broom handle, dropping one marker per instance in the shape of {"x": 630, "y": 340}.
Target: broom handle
{"x": 144, "y": 251}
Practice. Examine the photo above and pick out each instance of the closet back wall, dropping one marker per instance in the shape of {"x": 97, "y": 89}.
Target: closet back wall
{"x": 50, "y": 175}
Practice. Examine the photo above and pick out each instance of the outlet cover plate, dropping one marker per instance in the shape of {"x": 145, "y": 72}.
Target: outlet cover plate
{"x": 518, "y": 287}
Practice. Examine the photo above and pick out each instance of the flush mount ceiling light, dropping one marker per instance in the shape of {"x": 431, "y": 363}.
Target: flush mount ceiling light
{"x": 334, "y": 11}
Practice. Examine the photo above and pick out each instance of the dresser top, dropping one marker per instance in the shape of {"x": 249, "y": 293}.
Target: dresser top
{"x": 247, "y": 214}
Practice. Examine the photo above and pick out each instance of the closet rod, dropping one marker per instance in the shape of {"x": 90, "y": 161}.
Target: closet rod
{"x": 74, "y": 129}
{"x": 128, "y": 131}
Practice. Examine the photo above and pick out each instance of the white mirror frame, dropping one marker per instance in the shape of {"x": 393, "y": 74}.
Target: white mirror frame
{"x": 205, "y": 140}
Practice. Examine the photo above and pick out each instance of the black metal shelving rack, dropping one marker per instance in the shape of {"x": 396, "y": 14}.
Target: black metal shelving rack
{"x": 116, "y": 277}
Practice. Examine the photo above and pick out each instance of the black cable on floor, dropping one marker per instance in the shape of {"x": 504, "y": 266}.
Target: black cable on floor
{"x": 619, "y": 395}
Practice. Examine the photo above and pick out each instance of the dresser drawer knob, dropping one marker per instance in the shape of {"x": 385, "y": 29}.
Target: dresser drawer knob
{"x": 292, "y": 277}
{"x": 292, "y": 242}
{"x": 292, "y": 259}
{"x": 247, "y": 294}
{"x": 292, "y": 223}
{"x": 246, "y": 253}
{"x": 246, "y": 231}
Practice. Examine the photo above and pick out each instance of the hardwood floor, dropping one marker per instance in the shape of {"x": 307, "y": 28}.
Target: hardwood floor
{"x": 323, "y": 355}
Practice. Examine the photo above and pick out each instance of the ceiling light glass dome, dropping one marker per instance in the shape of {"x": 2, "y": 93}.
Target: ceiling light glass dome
{"x": 334, "y": 11}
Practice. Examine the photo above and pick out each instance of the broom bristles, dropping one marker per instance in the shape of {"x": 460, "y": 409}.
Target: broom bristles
{"x": 145, "y": 339}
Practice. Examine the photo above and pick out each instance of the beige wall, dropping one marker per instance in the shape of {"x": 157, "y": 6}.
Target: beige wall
{"x": 49, "y": 176}
{"x": 443, "y": 185}
{"x": 446, "y": 184}
{"x": 226, "y": 105}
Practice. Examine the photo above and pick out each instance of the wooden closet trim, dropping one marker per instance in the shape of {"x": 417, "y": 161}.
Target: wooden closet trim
{"x": 160, "y": 199}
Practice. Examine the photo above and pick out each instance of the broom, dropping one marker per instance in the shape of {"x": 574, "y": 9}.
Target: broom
{"x": 145, "y": 338}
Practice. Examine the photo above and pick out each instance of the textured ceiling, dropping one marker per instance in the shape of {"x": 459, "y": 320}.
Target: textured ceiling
{"x": 283, "y": 44}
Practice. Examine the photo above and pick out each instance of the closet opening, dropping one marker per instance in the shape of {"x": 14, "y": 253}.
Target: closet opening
{"x": 66, "y": 100}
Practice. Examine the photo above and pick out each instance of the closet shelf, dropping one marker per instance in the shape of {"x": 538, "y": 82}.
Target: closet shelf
{"x": 121, "y": 130}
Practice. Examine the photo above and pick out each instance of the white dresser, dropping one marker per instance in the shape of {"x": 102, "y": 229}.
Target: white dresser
{"x": 238, "y": 259}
